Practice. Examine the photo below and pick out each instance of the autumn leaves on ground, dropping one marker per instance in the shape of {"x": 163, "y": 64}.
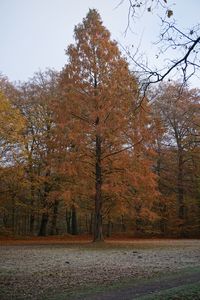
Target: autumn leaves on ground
{"x": 85, "y": 152}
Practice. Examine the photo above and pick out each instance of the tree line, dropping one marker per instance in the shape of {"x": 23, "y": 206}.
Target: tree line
{"x": 81, "y": 151}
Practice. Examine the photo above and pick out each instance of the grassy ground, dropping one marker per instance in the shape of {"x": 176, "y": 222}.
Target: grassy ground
{"x": 186, "y": 292}
{"x": 63, "y": 267}
{"x": 136, "y": 288}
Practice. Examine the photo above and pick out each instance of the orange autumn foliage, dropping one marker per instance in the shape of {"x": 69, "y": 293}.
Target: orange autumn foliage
{"x": 107, "y": 128}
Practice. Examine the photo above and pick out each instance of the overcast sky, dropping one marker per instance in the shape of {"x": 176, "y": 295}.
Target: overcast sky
{"x": 34, "y": 33}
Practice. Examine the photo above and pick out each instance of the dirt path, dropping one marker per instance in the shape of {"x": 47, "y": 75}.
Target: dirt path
{"x": 143, "y": 289}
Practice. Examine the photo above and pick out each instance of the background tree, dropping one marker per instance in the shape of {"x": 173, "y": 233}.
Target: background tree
{"x": 11, "y": 126}
{"x": 178, "y": 110}
{"x": 36, "y": 101}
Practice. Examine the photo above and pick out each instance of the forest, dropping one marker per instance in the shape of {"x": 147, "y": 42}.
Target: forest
{"x": 86, "y": 151}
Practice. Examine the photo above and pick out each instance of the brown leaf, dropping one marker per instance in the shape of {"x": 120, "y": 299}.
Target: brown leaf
{"x": 169, "y": 13}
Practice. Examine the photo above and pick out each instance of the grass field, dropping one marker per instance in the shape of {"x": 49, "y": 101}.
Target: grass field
{"x": 158, "y": 288}
{"x": 185, "y": 292}
{"x": 61, "y": 268}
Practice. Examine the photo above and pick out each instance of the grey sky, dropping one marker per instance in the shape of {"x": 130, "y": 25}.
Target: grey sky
{"x": 34, "y": 33}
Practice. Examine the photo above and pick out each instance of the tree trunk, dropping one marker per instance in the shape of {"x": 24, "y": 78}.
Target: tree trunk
{"x": 13, "y": 220}
{"x": 91, "y": 229}
{"x": 43, "y": 225}
{"x": 180, "y": 186}
{"x": 181, "y": 207}
{"x": 109, "y": 228}
{"x": 98, "y": 232}
{"x": 32, "y": 223}
{"x": 86, "y": 224}
{"x": 54, "y": 229}
{"x": 14, "y": 215}
{"x": 74, "y": 221}
{"x": 32, "y": 214}
{"x": 123, "y": 226}
{"x": 45, "y": 214}
{"x": 30, "y": 173}
{"x": 137, "y": 220}
{"x": 68, "y": 221}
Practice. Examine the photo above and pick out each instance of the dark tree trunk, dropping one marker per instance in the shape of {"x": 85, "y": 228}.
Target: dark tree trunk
{"x": 54, "y": 229}
{"x": 98, "y": 231}
{"x": 162, "y": 207}
{"x": 13, "y": 220}
{"x": 163, "y": 219}
{"x": 13, "y": 216}
{"x": 74, "y": 221}
{"x": 109, "y": 228}
{"x": 32, "y": 200}
{"x": 123, "y": 226}
{"x": 137, "y": 220}
{"x": 5, "y": 219}
{"x": 32, "y": 214}
{"x": 43, "y": 225}
{"x": 86, "y": 223}
{"x": 45, "y": 214}
{"x": 68, "y": 221}
{"x": 91, "y": 230}
{"x": 180, "y": 186}
{"x": 32, "y": 223}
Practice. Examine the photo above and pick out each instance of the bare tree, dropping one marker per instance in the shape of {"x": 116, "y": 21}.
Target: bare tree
{"x": 181, "y": 44}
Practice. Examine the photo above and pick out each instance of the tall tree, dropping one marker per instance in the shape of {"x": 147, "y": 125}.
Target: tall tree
{"x": 99, "y": 98}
